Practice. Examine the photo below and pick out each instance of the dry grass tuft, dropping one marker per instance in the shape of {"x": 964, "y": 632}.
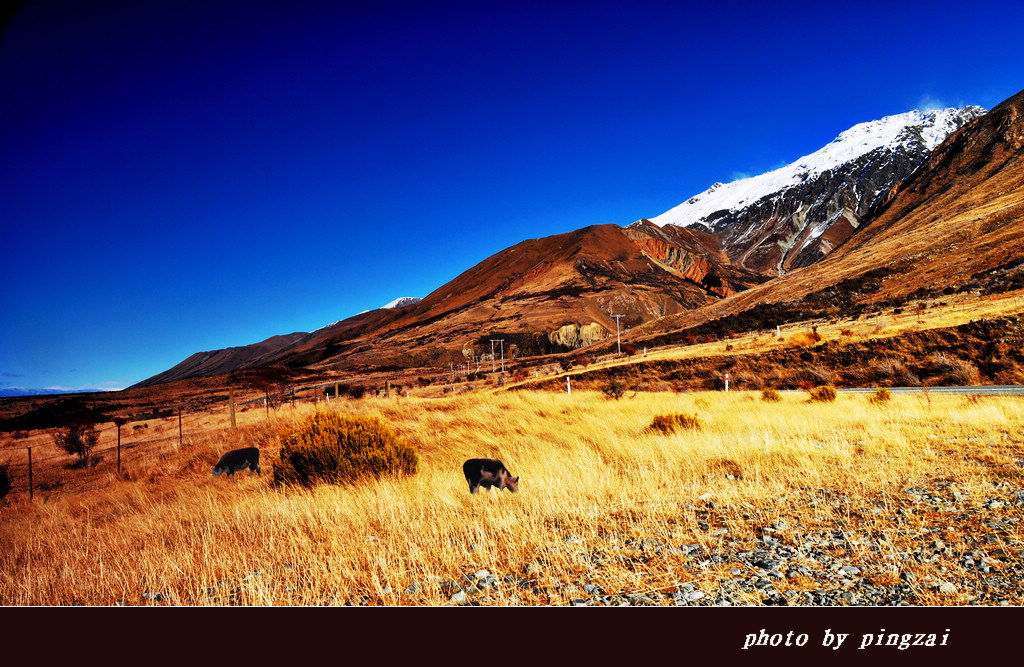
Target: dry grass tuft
{"x": 669, "y": 423}
{"x": 823, "y": 394}
{"x": 727, "y": 467}
{"x": 804, "y": 338}
{"x": 881, "y": 395}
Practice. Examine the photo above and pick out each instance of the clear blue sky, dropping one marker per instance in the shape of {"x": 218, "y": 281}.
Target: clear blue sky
{"x": 186, "y": 176}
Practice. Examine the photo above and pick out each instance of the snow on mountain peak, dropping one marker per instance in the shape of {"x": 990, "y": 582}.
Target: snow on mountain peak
{"x": 929, "y": 128}
{"x": 402, "y": 301}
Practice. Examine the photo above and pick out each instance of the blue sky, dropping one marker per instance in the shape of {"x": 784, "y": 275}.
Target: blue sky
{"x": 178, "y": 177}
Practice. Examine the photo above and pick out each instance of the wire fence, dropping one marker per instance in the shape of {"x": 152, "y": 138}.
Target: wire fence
{"x": 40, "y": 465}
{"x": 34, "y": 464}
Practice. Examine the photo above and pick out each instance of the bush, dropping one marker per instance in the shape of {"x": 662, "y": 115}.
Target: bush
{"x": 357, "y": 391}
{"x": 881, "y": 395}
{"x": 669, "y": 423}
{"x": 78, "y": 438}
{"x": 614, "y": 389}
{"x": 818, "y": 376}
{"x": 805, "y": 338}
{"x": 895, "y": 372}
{"x": 334, "y": 449}
{"x": 770, "y": 395}
{"x": 953, "y": 370}
{"x": 823, "y": 394}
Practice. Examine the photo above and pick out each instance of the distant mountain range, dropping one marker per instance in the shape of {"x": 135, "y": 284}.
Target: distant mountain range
{"x": 6, "y": 392}
{"x": 933, "y": 198}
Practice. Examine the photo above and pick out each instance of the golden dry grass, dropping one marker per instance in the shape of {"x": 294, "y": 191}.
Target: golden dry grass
{"x": 942, "y": 312}
{"x": 593, "y": 477}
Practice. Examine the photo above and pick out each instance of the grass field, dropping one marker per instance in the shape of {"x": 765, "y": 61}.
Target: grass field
{"x": 596, "y": 482}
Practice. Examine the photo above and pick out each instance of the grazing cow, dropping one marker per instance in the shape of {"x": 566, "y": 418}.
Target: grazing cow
{"x": 239, "y": 460}
{"x": 488, "y": 473}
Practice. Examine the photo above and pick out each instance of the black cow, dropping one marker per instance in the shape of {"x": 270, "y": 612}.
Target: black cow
{"x": 488, "y": 473}
{"x": 239, "y": 460}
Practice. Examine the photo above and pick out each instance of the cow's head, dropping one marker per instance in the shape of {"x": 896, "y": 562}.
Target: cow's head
{"x": 511, "y": 483}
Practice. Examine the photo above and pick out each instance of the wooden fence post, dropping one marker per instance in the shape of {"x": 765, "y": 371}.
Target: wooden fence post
{"x": 231, "y": 398}
{"x": 30, "y": 489}
{"x": 180, "y": 439}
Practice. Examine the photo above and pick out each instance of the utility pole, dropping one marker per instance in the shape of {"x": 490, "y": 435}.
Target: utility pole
{"x": 618, "y": 339}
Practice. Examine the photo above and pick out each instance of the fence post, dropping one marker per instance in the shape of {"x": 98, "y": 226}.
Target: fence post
{"x": 180, "y": 439}
{"x": 118, "y": 449}
{"x": 568, "y": 387}
{"x": 30, "y": 489}
{"x": 231, "y": 398}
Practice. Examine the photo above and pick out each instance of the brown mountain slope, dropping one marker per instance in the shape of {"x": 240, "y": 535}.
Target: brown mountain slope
{"x": 960, "y": 215}
{"x": 223, "y": 361}
{"x": 541, "y": 295}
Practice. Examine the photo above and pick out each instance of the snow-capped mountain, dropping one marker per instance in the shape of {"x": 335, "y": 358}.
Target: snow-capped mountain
{"x": 402, "y": 301}
{"x": 794, "y": 215}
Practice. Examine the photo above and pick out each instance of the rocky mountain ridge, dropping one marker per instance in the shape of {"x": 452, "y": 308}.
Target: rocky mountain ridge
{"x": 793, "y": 216}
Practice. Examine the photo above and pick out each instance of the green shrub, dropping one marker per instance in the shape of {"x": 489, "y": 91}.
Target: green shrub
{"x": 669, "y": 423}
{"x": 770, "y": 395}
{"x": 823, "y": 394}
{"x": 334, "y": 449}
{"x": 881, "y": 395}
